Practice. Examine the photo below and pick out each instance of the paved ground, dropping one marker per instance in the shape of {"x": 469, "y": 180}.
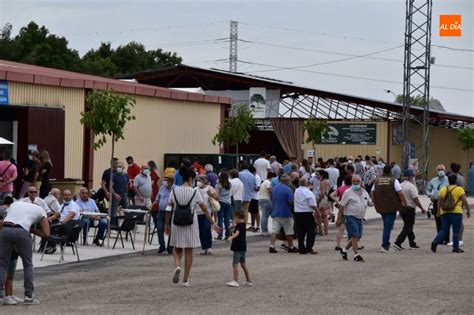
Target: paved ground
{"x": 415, "y": 281}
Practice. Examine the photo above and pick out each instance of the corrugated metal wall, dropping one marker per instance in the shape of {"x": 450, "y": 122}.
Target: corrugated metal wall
{"x": 163, "y": 126}
{"x": 327, "y": 151}
{"x": 73, "y": 102}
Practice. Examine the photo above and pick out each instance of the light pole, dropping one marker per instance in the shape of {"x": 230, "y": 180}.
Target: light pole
{"x": 391, "y": 92}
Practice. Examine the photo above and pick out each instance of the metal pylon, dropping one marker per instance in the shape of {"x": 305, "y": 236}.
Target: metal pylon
{"x": 416, "y": 79}
{"x": 234, "y": 38}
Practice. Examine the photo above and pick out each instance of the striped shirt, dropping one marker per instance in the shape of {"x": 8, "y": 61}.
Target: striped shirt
{"x": 183, "y": 196}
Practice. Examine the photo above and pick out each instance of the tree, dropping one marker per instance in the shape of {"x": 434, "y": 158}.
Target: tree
{"x": 35, "y": 45}
{"x": 466, "y": 137}
{"x": 106, "y": 116}
{"x": 316, "y": 130}
{"x": 236, "y": 129}
{"x": 418, "y": 101}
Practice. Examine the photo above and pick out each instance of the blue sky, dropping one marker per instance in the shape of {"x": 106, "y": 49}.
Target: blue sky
{"x": 351, "y": 27}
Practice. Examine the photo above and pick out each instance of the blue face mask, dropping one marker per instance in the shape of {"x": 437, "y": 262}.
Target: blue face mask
{"x": 356, "y": 187}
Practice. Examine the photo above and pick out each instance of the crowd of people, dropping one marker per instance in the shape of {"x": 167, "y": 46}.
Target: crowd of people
{"x": 191, "y": 201}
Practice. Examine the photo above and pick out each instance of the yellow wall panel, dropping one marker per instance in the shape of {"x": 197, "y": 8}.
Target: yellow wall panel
{"x": 72, "y": 100}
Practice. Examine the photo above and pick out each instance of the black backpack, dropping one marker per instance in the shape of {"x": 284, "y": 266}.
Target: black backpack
{"x": 183, "y": 214}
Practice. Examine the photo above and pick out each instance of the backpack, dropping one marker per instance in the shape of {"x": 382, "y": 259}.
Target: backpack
{"x": 183, "y": 214}
{"x": 448, "y": 203}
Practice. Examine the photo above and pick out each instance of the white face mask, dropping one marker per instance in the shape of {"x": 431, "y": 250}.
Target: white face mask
{"x": 146, "y": 172}
{"x": 165, "y": 182}
{"x": 200, "y": 184}
{"x": 441, "y": 173}
{"x": 120, "y": 170}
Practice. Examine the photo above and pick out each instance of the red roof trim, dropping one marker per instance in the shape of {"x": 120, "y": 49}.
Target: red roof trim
{"x": 19, "y": 72}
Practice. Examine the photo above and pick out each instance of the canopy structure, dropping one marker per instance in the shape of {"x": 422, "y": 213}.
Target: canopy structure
{"x": 5, "y": 141}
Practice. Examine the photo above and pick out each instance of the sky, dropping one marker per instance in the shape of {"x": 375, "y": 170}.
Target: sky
{"x": 317, "y": 32}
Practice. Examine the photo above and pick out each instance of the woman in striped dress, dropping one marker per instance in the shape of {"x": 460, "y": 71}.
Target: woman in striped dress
{"x": 185, "y": 238}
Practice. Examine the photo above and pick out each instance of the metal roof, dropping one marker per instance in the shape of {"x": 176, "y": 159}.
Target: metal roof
{"x": 355, "y": 106}
{"x": 26, "y": 73}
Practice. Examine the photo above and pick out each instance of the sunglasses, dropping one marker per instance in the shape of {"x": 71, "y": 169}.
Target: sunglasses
{"x": 33, "y": 192}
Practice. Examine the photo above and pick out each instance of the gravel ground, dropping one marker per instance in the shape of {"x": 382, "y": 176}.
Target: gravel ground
{"x": 412, "y": 281}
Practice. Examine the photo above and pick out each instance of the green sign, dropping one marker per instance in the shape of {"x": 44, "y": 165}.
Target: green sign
{"x": 351, "y": 134}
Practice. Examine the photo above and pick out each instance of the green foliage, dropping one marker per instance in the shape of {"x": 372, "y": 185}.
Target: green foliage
{"x": 107, "y": 115}
{"x": 417, "y": 101}
{"x": 466, "y": 137}
{"x": 35, "y": 45}
{"x": 316, "y": 129}
{"x": 236, "y": 129}
{"x": 257, "y": 98}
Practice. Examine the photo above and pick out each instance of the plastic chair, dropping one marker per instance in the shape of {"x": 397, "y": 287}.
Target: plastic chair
{"x": 73, "y": 238}
{"x": 128, "y": 225}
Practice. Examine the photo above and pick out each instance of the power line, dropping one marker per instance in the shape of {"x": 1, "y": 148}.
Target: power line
{"x": 341, "y": 75}
{"x": 366, "y": 56}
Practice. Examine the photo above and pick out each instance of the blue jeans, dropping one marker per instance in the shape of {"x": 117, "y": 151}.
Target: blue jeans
{"x": 205, "y": 233}
{"x": 223, "y": 218}
{"x": 159, "y": 220}
{"x": 266, "y": 206}
{"x": 101, "y": 228}
{"x": 448, "y": 220}
{"x": 388, "y": 222}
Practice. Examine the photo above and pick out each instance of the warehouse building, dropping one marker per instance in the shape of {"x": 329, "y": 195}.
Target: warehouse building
{"x": 359, "y": 126}
{"x": 40, "y": 108}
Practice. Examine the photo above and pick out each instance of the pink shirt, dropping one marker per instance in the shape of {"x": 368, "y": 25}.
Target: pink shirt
{"x": 9, "y": 173}
{"x": 341, "y": 190}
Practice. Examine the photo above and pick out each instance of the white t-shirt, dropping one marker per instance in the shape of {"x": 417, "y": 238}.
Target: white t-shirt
{"x": 410, "y": 192}
{"x": 38, "y": 201}
{"x": 304, "y": 174}
{"x": 264, "y": 190}
{"x": 52, "y": 203}
{"x": 24, "y": 214}
{"x": 205, "y": 197}
{"x": 305, "y": 201}
{"x": 237, "y": 189}
{"x": 69, "y": 207}
{"x": 333, "y": 176}
{"x": 258, "y": 183}
{"x": 262, "y": 166}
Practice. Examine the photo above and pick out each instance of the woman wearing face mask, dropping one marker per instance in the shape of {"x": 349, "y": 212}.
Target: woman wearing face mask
{"x": 205, "y": 231}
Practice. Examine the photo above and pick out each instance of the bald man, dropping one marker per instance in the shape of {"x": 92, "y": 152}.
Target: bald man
{"x": 52, "y": 201}
{"x": 142, "y": 187}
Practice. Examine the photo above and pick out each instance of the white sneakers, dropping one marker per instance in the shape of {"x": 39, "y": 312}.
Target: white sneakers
{"x": 461, "y": 243}
{"x": 13, "y": 300}
{"x": 235, "y": 284}
{"x": 185, "y": 284}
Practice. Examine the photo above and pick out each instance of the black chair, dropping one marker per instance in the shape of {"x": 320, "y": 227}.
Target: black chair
{"x": 140, "y": 216}
{"x": 73, "y": 238}
{"x": 60, "y": 236}
{"x": 128, "y": 225}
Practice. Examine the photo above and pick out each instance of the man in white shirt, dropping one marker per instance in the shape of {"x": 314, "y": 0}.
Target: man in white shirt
{"x": 253, "y": 208}
{"x": 142, "y": 187}
{"x": 333, "y": 174}
{"x": 408, "y": 212}
{"x": 15, "y": 232}
{"x": 52, "y": 201}
{"x": 69, "y": 209}
{"x": 34, "y": 199}
{"x": 262, "y": 165}
{"x": 305, "y": 207}
{"x": 236, "y": 190}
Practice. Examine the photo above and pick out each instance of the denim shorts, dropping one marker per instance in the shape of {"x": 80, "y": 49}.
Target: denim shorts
{"x": 353, "y": 226}
{"x": 239, "y": 258}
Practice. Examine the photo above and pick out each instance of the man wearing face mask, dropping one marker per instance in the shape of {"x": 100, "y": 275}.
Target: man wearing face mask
{"x": 142, "y": 187}
{"x": 354, "y": 204}
{"x": 120, "y": 190}
{"x": 432, "y": 191}
{"x": 408, "y": 212}
{"x": 162, "y": 201}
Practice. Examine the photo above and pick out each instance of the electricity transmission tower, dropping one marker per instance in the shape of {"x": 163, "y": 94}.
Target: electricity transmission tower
{"x": 234, "y": 37}
{"x": 416, "y": 79}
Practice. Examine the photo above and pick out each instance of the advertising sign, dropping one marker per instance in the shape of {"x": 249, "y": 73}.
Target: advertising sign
{"x": 258, "y": 101}
{"x": 3, "y": 92}
{"x": 351, "y": 134}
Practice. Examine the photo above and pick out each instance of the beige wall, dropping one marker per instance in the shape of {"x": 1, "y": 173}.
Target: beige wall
{"x": 444, "y": 149}
{"x": 73, "y": 102}
{"x": 327, "y": 151}
{"x": 163, "y": 126}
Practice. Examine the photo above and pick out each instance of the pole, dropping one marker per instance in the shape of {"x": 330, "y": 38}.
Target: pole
{"x": 233, "y": 39}
{"x": 111, "y": 189}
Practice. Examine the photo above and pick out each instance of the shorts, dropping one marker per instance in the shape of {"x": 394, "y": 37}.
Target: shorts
{"x": 239, "y": 258}
{"x": 285, "y": 223}
{"x": 12, "y": 264}
{"x": 353, "y": 226}
{"x": 253, "y": 208}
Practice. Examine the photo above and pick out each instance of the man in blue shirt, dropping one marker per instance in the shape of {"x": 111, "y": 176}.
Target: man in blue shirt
{"x": 248, "y": 179}
{"x": 432, "y": 191}
{"x": 282, "y": 206}
{"x": 86, "y": 204}
{"x": 120, "y": 189}
{"x": 159, "y": 218}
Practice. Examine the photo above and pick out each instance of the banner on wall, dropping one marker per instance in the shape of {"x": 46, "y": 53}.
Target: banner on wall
{"x": 351, "y": 134}
{"x": 3, "y": 92}
{"x": 258, "y": 101}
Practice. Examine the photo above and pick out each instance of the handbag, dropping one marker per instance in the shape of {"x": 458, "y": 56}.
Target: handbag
{"x": 215, "y": 205}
